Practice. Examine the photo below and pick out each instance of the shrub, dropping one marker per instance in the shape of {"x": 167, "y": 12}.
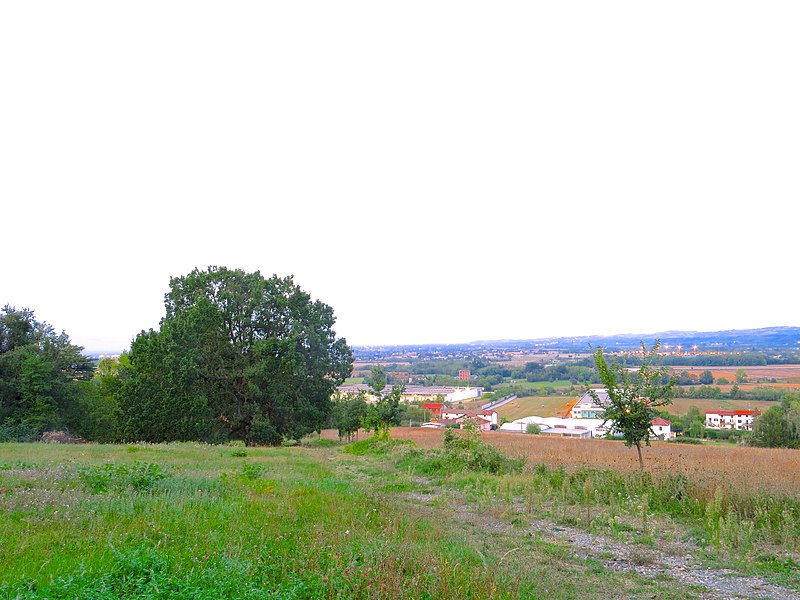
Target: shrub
{"x": 17, "y": 432}
{"x": 459, "y": 453}
{"x": 376, "y": 445}
{"x": 138, "y": 476}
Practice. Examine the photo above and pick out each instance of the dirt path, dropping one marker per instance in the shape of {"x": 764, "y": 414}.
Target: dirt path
{"x": 667, "y": 558}
{"x": 672, "y": 559}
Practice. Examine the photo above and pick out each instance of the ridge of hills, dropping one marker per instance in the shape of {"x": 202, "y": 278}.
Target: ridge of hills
{"x": 732, "y": 339}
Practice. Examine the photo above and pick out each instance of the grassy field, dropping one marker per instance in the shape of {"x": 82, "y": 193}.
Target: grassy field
{"x": 198, "y": 521}
{"x": 541, "y": 406}
{"x": 680, "y": 406}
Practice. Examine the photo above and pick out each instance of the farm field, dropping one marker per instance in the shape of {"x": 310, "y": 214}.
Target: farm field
{"x": 542, "y": 406}
{"x": 548, "y": 406}
{"x": 787, "y": 374}
{"x": 680, "y": 406}
{"x": 744, "y": 469}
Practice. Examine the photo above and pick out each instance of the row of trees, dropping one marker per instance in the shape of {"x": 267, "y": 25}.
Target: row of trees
{"x": 237, "y": 356}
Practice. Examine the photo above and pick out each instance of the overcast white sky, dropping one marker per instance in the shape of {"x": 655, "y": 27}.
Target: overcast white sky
{"x": 435, "y": 171}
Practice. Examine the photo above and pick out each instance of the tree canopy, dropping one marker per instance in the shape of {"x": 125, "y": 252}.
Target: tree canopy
{"x": 236, "y": 356}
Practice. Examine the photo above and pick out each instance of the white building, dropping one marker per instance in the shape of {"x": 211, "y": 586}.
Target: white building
{"x": 583, "y": 428}
{"x": 731, "y": 419}
{"x": 661, "y": 428}
{"x": 419, "y": 393}
{"x": 588, "y": 408}
{"x": 456, "y": 413}
{"x": 558, "y": 426}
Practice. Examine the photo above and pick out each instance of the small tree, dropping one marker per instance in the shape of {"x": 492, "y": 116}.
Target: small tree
{"x": 633, "y": 400}
{"x": 348, "y": 413}
{"x": 385, "y": 413}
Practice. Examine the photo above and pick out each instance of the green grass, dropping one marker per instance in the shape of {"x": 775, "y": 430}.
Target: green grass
{"x": 540, "y": 406}
{"x": 280, "y": 523}
{"x": 198, "y": 521}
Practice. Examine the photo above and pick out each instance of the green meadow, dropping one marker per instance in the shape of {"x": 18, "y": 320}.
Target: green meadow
{"x": 185, "y": 520}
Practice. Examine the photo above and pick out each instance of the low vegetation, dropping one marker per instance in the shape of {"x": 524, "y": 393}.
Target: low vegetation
{"x": 447, "y": 514}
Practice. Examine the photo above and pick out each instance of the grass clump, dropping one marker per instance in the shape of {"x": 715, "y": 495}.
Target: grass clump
{"x": 376, "y": 446}
{"x": 461, "y": 452}
{"x": 137, "y": 476}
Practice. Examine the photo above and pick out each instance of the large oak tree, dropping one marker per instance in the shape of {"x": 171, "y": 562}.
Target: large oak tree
{"x": 237, "y": 356}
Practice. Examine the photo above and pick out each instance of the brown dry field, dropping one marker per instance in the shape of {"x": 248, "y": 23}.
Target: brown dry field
{"x": 680, "y": 406}
{"x": 750, "y": 471}
{"x": 782, "y": 373}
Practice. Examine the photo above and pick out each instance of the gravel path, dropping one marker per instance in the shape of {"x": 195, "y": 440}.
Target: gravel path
{"x": 675, "y": 560}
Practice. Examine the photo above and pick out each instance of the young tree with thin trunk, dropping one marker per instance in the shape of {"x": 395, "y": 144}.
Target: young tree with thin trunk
{"x": 633, "y": 399}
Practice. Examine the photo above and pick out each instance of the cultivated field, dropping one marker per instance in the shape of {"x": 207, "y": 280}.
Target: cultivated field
{"x": 541, "y": 406}
{"x": 680, "y": 406}
{"x": 781, "y": 373}
{"x": 751, "y": 470}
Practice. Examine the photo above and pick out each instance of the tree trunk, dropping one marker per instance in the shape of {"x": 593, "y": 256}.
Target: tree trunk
{"x": 641, "y": 462}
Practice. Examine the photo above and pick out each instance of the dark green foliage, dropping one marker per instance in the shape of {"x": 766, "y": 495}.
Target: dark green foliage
{"x": 348, "y": 414}
{"x": 706, "y": 377}
{"x": 385, "y": 412}
{"x": 778, "y": 427}
{"x": 40, "y": 372}
{"x": 237, "y": 356}
{"x": 121, "y": 477}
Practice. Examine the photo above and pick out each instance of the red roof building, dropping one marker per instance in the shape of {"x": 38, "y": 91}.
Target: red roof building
{"x": 731, "y": 419}
{"x": 435, "y": 409}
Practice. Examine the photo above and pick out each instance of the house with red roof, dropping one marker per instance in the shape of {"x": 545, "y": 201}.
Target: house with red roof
{"x": 459, "y": 413}
{"x": 731, "y": 419}
{"x": 661, "y": 428}
{"x": 435, "y": 408}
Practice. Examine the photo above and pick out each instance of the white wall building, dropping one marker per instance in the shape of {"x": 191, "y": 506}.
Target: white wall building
{"x": 573, "y": 427}
{"x": 731, "y": 419}
{"x": 420, "y": 393}
{"x": 662, "y": 428}
{"x": 588, "y": 408}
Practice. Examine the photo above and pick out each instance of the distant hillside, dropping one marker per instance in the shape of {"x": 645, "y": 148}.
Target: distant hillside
{"x": 739, "y": 339}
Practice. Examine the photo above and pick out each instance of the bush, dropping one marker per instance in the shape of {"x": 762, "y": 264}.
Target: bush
{"x": 533, "y": 428}
{"x": 685, "y": 440}
{"x": 376, "y": 446}
{"x": 138, "y": 476}
{"x": 17, "y": 432}
{"x": 459, "y": 453}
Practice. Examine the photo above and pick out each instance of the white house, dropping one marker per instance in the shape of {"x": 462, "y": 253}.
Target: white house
{"x": 588, "y": 408}
{"x": 731, "y": 419}
{"x": 661, "y": 428}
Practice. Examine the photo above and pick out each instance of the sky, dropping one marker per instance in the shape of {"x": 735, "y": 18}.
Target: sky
{"x": 437, "y": 172}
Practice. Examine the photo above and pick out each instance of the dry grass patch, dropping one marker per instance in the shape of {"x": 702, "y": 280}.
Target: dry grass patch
{"x": 748, "y": 470}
